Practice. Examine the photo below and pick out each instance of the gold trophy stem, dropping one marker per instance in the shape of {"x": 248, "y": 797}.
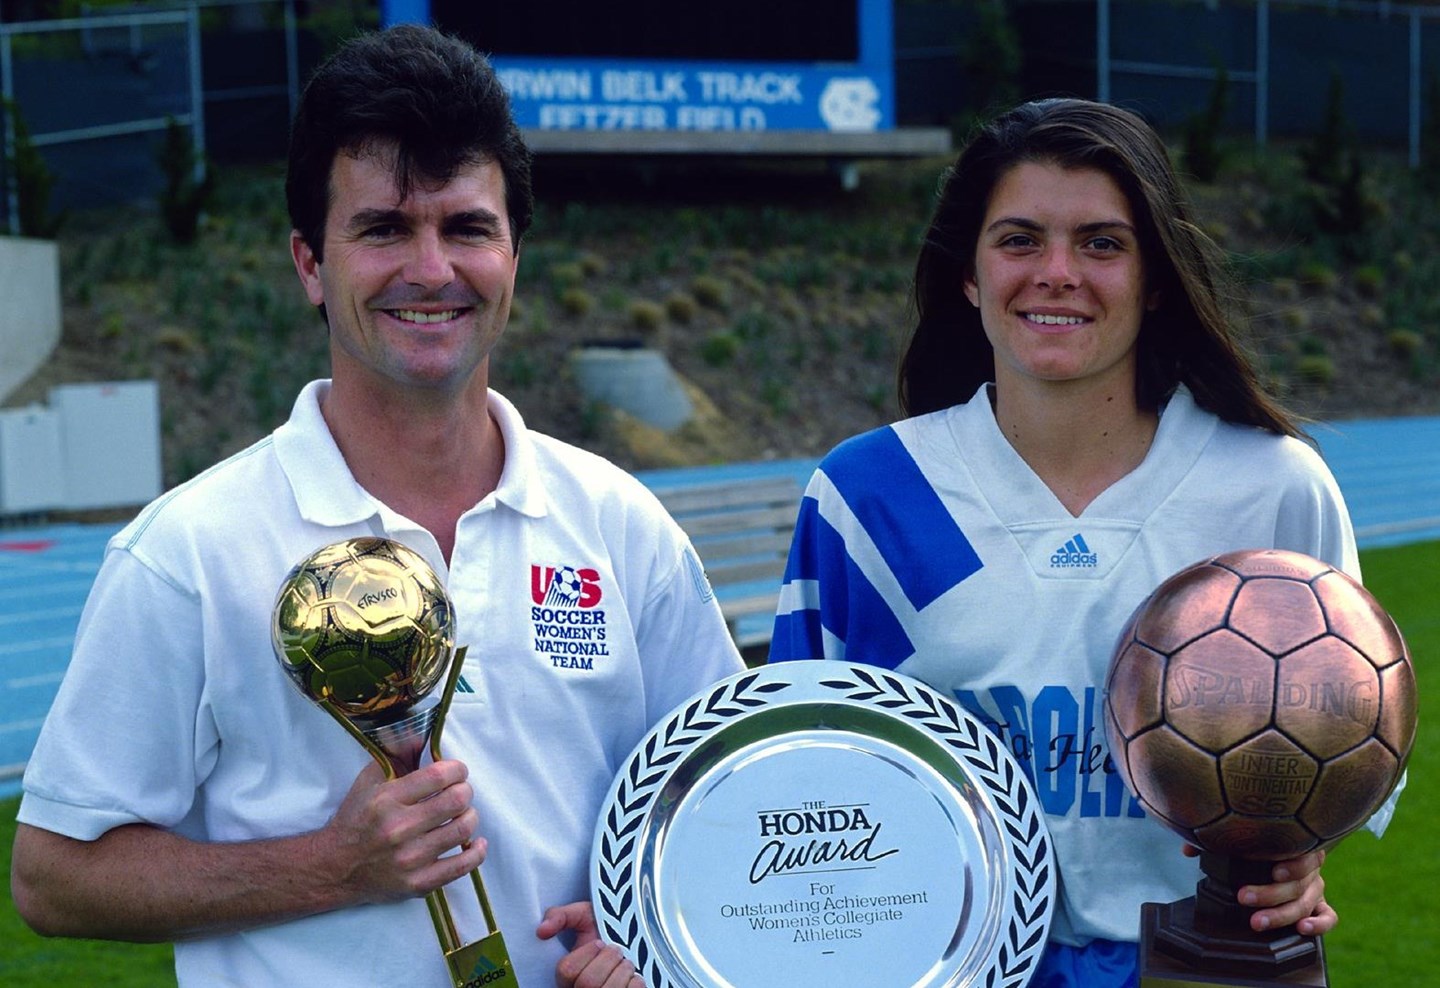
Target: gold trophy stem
{"x": 443, "y": 922}
{"x": 451, "y": 680}
{"x": 488, "y": 956}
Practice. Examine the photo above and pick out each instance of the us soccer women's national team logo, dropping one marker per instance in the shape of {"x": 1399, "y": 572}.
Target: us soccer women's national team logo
{"x": 569, "y": 625}
{"x": 564, "y": 586}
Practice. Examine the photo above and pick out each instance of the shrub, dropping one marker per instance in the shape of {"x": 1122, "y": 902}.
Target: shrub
{"x": 872, "y": 343}
{"x": 790, "y": 308}
{"x": 680, "y": 307}
{"x": 745, "y": 281}
{"x": 755, "y": 324}
{"x": 990, "y": 61}
{"x": 776, "y": 394}
{"x": 614, "y": 299}
{"x": 646, "y": 316}
{"x": 536, "y": 313}
{"x": 1318, "y": 276}
{"x": 1316, "y": 369}
{"x": 662, "y": 257}
{"x": 591, "y": 264}
{"x": 1404, "y": 343}
{"x": 577, "y": 301}
{"x": 566, "y": 274}
{"x": 1353, "y": 205}
{"x": 176, "y": 340}
{"x": 1337, "y": 194}
{"x": 710, "y": 292}
{"x": 184, "y": 198}
{"x": 720, "y": 348}
{"x": 1217, "y": 231}
{"x": 1430, "y": 135}
{"x": 1285, "y": 288}
{"x": 519, "y": 368}
{"x": 1369, "y": 281}
{"x": 112, "y": 326}
{"x": 34, "y": 182}
{"x": 1203, "y": 151}
{"x": 1324, "y": 157}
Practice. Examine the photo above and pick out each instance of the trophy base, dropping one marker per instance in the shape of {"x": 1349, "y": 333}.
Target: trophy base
{"x": 482, "y": 964}
{"x": 1173, "y": 954}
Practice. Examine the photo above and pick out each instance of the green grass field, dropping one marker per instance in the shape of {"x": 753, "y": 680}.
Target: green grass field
{"x": 1384, "y": 890}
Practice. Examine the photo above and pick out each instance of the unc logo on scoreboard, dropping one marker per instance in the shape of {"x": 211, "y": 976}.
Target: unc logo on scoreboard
{"x": 851, "y": 104}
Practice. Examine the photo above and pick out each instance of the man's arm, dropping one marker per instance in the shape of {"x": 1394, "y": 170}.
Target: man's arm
{"x": 387, "y": 841}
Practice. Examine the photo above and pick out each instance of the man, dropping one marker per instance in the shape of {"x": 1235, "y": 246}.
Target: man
{"x": 181, "y": 790}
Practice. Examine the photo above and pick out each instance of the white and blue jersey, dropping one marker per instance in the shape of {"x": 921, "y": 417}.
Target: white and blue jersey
{"x": 931, "y": 548}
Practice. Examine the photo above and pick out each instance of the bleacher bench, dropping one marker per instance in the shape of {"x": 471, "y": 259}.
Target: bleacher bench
{"x": 741, "y": 529}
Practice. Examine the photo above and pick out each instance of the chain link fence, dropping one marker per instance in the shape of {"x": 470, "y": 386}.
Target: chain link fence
{"x": 95, "y": 93}
{"x": 1280, "y": 61}
{"x": 1163, "y": 57}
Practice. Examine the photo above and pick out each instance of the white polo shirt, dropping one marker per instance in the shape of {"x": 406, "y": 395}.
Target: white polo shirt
{"x": 587, "y": 618}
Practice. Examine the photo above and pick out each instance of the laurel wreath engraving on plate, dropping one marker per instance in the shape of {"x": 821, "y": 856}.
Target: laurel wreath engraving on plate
{"x": 1030, "y": 882}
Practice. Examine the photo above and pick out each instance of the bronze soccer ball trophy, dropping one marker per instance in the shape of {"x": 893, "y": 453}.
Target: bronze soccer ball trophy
{"x": 365, "y": 629}
{"x": 1260, "y": 704}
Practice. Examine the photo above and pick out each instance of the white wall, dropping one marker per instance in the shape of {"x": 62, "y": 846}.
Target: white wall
{"x": 110, "y": 442}
{"x": 29, "y": 308}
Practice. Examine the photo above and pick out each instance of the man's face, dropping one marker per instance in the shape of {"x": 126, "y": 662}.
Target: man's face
{"x": 417, "y": 291}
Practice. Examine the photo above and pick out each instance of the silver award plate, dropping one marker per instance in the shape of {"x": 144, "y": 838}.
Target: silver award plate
{"x": 823, "y": 824}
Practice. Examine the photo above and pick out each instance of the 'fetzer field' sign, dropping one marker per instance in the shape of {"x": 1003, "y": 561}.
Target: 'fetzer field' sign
{"x": 652, "y": 65}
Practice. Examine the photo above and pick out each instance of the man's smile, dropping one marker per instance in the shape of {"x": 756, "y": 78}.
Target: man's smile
{"x": 425, "y": 318}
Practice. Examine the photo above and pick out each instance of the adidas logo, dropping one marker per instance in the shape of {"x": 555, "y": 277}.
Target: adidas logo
{"x": 485, "y": 971}
{"x": 1074, "y": 554}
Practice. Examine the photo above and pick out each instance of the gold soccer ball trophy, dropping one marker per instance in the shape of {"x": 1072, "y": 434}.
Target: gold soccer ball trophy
{"x": 366, "y": 630}
{"x": 1261, "y": 705}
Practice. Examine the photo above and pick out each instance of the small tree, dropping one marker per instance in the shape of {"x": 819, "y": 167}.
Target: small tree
{"x": 1335, "y": 172}
{"x": 1430, "y": 136}
{"x": 1204, "y": 153}
{"x": 34, "y": 182}
{"x": 1324, "y": 157}
{"x": 991, "y": 60}
{"x": 183, "y": 199}
{"x": 1352, "y": 203}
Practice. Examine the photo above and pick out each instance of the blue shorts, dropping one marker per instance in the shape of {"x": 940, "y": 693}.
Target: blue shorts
{"x": 1098, "y": 964}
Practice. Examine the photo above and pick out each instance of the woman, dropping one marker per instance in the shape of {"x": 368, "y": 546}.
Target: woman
{"x": 1082, "y": 424}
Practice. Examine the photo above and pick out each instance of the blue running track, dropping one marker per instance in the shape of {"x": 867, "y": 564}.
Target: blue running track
{"x": 1389, "y": 471}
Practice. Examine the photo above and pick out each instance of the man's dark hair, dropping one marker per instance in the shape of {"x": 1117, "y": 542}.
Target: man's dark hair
{"x": 433, "y": 97}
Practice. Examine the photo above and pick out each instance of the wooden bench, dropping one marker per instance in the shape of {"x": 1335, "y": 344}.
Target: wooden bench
{"x": 741, "y": 529}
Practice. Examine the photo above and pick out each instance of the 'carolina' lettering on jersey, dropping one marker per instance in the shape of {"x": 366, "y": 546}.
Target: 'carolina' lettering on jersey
{"x": 1060, "y": 742}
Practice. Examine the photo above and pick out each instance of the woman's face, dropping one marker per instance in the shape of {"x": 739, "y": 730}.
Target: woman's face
{"x": 1058, "y": 277}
